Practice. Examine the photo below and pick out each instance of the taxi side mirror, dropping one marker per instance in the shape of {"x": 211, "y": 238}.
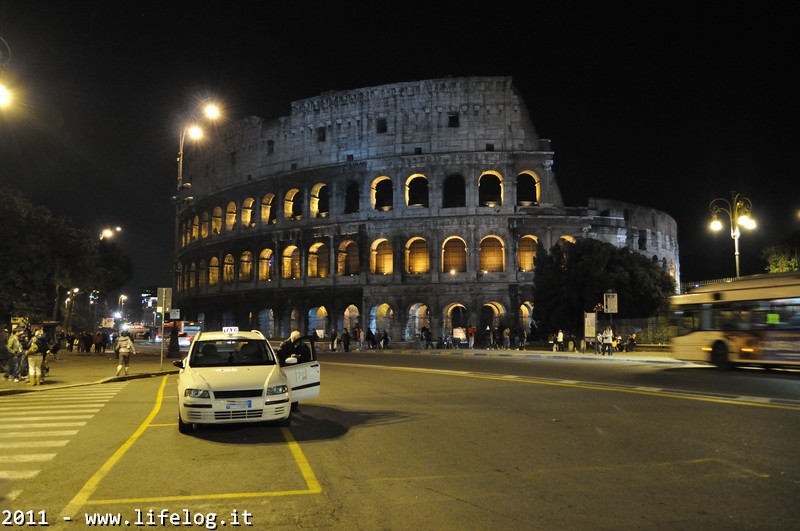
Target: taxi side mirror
{"x": 178, "y": 363}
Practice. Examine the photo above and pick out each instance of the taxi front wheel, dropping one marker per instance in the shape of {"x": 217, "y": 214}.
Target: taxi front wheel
{"x": 184, "y": 427}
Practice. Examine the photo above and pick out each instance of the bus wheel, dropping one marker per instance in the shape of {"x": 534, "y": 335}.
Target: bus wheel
{"x": 719, "y": 356}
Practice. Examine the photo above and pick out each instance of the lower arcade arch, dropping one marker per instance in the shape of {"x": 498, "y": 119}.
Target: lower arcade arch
{"x": 318, "y": 321}
{"x": 455, "y": 315}
{"x": 381, "y": 318}
{"x": 419, "y": 317}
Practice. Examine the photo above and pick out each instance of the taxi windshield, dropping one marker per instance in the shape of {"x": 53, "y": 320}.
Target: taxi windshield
{"x": 230, "y": 352}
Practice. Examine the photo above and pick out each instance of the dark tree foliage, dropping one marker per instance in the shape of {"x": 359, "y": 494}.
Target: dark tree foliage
{"x": 42, "y": 256}
{"x": 785, "y": 256}
{"x": 572, "y": 278}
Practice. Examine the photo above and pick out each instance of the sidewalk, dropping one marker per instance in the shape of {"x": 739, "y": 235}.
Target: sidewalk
{"x": 76, "y": 369}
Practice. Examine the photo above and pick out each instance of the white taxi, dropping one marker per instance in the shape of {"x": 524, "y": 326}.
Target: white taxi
{"x": 232, "y": 376}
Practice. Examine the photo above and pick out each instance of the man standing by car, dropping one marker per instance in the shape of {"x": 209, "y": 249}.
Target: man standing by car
{"x": 292, "y": 347}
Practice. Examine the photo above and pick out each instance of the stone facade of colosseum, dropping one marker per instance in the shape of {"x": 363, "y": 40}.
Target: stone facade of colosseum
{"x": 391, "y": 207}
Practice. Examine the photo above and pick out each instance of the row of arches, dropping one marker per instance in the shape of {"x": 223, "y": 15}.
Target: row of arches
{"x": 266, "y": 210}
{"x": 318, "y": 260}
{"x": 405, "y": 325}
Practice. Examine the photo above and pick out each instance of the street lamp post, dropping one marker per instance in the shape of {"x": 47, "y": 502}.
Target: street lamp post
{"x": 738, "y": 210}
{"x": 195, "y": 132}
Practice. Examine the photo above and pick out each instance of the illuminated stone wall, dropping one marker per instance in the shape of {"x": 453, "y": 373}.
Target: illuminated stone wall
{"x": 395, "y": 207}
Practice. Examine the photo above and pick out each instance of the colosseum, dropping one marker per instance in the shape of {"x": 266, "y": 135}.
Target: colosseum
{"x": 395, "y": 207}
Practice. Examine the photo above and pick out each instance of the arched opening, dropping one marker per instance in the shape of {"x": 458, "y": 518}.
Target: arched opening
{"x": 216, "y": 220}
{"x": 230, "y": 216}
{"x": 319, "y": 206}
{"x": 318, "y": 261}
{"x": 454, "y": 255}
{"x": 352, "y": 317}
{"x": 348, "y": 263}
{"x": 382, "y": 194}
{"x": 228, "y": 269}
{"x": 418, "y": 317}
{"x": 293, "y": 205}
{"x": 490, "y": 190}
{"x": 202, "y": 274}
{"x": 213, "y": 271}
{"x": 526, "y": 253}
{"x": 195, "y": 228}
{"x": 204, "y": 222}
{"x": 381, "y": 318}
{"x": 246, "y": 267}
{"x": 268, "y": 214}
{"x": 417, "y": 191}
{"x": 318, "y": 321}
{"x": 454, "y": 321}
{"x": 266, "y": 322}
{"x": 381, "y": 258}
{"x": 290, "y": 268}
{"x": 266, "y": 265}
{"x": 492, "y": 255}
{"x": 248, "y": 220}
{"x": 527, "y": 189}
{"x": 192, "y": 275}
{"x": 417, "y": 257}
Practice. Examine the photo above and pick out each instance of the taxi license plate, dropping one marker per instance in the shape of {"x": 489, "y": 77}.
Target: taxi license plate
{"x": 240, "y": 405}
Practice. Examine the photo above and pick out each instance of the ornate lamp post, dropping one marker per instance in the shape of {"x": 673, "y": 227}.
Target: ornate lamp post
{"x": 738, "y": 210}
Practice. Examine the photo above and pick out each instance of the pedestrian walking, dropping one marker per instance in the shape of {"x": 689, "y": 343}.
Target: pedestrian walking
{"x": 346, "y": 340}
{"x": 471, "y": 336}
{"x": 124, "y": 349}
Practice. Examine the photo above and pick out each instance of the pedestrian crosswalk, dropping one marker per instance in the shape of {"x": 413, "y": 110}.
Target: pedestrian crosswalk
{"x": 35, "y": 426}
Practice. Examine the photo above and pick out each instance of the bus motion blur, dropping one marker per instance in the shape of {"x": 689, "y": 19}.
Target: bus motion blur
{"x": 752, "y": 320}
{"x": 186, "y": 332}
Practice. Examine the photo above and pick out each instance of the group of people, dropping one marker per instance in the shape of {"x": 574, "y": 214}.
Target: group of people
{"x": 606, "y": 342}
{"x": 27, "y": 356}
{"x": 362, "y": 339}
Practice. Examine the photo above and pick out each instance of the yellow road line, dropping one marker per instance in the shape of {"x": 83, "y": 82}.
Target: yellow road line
{"x": 82, "y": 498}
{"x": 90, "y": 486}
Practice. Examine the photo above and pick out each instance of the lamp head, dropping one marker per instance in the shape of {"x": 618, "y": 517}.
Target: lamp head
{"x": 716, "y": 224}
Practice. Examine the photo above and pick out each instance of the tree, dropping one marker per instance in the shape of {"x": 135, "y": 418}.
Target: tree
{"x": 42, "y": 256}
{"x": 572, "y": 278}
{"x": 785, "y": 256}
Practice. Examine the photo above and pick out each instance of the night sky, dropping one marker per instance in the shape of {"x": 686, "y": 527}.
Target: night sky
{"x": 651, "y": 103}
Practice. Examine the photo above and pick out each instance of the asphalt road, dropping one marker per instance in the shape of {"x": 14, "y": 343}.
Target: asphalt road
{"x": 432, "y": 442}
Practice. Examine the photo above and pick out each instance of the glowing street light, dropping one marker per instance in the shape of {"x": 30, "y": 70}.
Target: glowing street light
{"x": 108, "y": 232}
{"x": 738, "y": 209}
{"x": 5, "y": 96}
{"x": 121, "y": 303}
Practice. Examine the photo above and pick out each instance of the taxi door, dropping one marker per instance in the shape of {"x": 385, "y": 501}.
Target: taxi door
{"x": 304, "y": 376}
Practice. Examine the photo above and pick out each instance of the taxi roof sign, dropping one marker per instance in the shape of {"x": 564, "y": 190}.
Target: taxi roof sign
{"x": 230, "y": 329}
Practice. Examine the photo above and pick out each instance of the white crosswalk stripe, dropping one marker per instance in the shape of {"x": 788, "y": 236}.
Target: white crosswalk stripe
{"x": 35, "y": 426}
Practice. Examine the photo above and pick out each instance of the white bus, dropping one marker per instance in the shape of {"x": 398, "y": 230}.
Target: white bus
{"x": 752, "y": 320}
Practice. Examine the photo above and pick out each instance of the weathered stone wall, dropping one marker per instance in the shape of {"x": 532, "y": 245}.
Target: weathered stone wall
{"x": 416, "y": 134}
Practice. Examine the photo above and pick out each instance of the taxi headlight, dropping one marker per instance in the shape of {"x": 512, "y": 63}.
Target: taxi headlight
{"x": 197, "y": 393}
{"x": 277, "y": 390}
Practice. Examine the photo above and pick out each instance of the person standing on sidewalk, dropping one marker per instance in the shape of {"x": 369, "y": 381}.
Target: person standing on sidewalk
{"x": 124, "y": 349}
{"x": 36, "y": 353}
{"x": 608, "y": 340}
{"x": 15, "y": 352}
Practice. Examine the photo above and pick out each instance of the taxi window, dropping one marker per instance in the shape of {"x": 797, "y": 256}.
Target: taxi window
{"x": 225, "y": 353}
